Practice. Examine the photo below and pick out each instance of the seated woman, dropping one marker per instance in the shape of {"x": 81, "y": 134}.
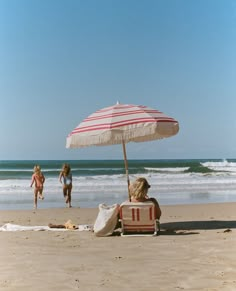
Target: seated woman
{"x": 138, "y": 193}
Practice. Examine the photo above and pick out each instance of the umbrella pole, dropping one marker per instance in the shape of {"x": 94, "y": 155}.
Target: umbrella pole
{"x": 126, "y": 167}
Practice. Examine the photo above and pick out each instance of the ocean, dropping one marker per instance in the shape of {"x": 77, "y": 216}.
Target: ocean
{"x": 97, "y": 181}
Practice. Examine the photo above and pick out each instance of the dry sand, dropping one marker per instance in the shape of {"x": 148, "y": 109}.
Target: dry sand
{"x": 196, "y": 250}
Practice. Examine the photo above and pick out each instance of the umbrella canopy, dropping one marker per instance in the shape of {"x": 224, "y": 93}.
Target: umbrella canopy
{"x": 120, "y": 124}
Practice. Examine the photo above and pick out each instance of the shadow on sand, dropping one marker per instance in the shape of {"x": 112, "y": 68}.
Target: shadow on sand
{"x": 187, "y": 227}
{"x": 191, "y": 227}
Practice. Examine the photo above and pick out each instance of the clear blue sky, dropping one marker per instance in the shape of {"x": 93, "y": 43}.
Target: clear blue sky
{"x": 62, "y": 60}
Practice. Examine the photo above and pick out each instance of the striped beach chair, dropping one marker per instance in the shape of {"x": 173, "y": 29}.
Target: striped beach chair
{"x": 138, "y": 218}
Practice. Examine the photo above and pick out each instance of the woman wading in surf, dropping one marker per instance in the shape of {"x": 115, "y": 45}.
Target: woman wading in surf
{"x": 65, "y": 178}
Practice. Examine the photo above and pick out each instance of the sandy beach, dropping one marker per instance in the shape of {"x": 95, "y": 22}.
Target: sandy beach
{"x": 194, "y": 251}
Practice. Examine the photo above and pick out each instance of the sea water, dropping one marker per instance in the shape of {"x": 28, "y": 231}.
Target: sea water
{"x": 97, "y": 181}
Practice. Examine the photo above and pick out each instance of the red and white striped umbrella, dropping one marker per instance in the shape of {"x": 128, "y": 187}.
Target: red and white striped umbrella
{"x": 120, "y": 124}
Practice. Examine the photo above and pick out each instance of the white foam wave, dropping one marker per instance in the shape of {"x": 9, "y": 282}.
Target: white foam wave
{"x": 160, "y": 182}
{"x": 177, "y": 169}
{"x": 223, "y": 165}
{"x": 16, "y": 170}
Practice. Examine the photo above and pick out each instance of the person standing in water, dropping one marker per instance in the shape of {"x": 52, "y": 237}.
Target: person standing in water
{"x": 37, "y": 180}
{"x": 65, "y": 178}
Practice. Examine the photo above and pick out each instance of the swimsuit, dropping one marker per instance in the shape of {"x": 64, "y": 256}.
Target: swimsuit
{"x": 67, "y": 180}
{"x": 38, "y": 181}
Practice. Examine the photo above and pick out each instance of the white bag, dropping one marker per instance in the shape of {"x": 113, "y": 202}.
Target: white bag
{"x": 106, "y": 220}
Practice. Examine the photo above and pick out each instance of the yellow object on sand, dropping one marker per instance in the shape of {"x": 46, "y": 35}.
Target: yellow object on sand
{"x": 67, "y": 225}
{"x": 70, "y": 225}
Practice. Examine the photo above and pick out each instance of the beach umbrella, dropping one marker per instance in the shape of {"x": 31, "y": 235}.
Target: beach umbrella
{"x": 120, "y": 124}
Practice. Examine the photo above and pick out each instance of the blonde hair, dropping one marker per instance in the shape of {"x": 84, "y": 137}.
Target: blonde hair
{"x": 139, "y": 188}
{"x": 66, "y": 169}
{"x": 37, "y": 169}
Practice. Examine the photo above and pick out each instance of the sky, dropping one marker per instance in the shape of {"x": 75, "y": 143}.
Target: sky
{"x": 62, "y": 60}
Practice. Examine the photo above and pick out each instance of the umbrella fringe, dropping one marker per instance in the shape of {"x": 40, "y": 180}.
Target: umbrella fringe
{"x": 116, "y": 136}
